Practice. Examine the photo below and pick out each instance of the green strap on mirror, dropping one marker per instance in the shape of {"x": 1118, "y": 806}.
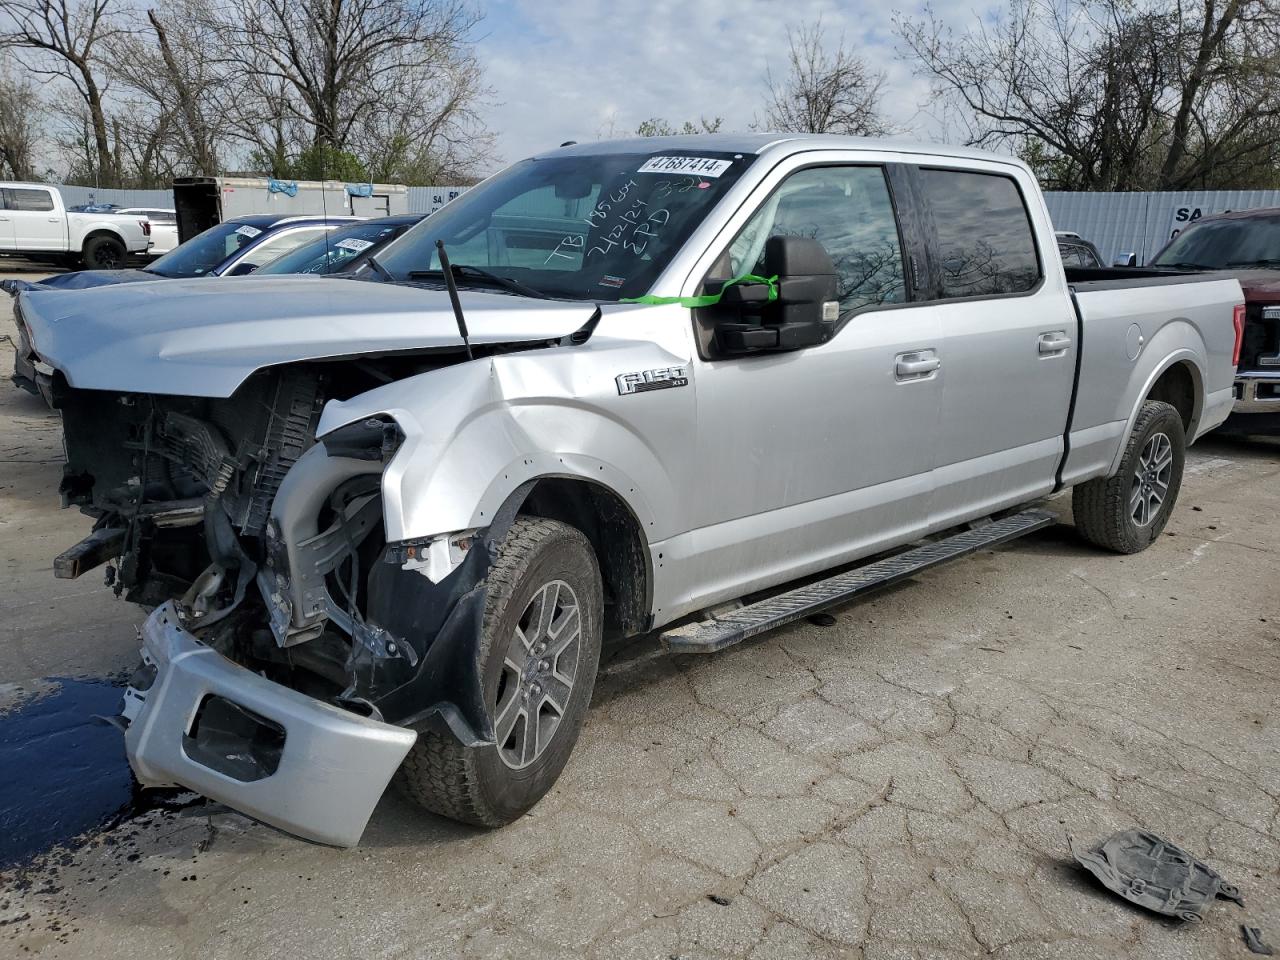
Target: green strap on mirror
{"x": 710, "y": 299}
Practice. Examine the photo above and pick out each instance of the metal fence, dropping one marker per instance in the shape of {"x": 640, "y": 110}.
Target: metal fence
{"x": 1141, "y": 223}
{"x": 421, "y": 199}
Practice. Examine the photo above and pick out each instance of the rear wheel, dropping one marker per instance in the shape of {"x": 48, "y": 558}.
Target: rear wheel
{"x": 1126, "y": 512}
{"x": 539, "y": 650}
{"x": 103, "y": 253}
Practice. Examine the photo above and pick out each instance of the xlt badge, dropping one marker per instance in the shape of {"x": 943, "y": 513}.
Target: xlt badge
{"x": 646, "y": 380}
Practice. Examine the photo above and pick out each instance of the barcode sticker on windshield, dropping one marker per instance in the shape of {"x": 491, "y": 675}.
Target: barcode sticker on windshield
{"x": 704, "y": 166}
{"x": 353, "y": 243}
{"x": 248, "y": 231}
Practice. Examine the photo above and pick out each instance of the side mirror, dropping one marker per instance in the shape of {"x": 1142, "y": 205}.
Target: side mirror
{"x": 1125, "y": 260}
{"x": 242, "y": 269}
{"x": 803, "y": 315}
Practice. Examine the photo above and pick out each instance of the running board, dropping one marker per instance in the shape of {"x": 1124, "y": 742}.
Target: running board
{"x": 708, "y": 636}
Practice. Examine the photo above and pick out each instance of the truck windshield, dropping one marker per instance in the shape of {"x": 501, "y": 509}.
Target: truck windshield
{"x": 205, "y": 251}
{"x": 596, "y": 227}
{"x": 336, "y": 251}
{"x": 1220, "y": 244}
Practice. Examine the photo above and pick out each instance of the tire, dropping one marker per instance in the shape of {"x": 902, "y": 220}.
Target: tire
{"x": 1119, "y": 512}
{"x": 491, "y": 786}
{"x": 103, "y": 253}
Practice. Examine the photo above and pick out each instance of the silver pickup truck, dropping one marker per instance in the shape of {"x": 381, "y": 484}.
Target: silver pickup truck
{"x": 385, "y": 523}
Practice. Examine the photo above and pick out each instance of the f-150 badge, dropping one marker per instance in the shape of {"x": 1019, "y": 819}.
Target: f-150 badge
{"x": 645, "y": 380}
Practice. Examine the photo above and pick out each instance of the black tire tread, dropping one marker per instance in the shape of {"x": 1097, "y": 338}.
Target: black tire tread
{"x": 93, "y": 243}
{"x": 439, "y": 772}
{"x": 1100, "y": 506}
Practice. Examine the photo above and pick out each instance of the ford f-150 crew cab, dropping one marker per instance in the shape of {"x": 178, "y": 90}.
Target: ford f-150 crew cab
{"x": 36, "y": 224}
{"x": 383, "y": 530}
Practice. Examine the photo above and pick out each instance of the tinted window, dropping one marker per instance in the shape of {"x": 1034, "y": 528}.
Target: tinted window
{"x": 36, "y": 200}
{"x": 846, "y": 209}
{"x": 1216, "y": 244}
{"x": 985, "y": 241}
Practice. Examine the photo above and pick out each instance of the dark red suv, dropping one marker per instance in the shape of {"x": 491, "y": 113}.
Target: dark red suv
{"x": 1247, "y": 246}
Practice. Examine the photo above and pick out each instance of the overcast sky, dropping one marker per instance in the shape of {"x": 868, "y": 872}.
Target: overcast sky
{"x": 569, "y": 69}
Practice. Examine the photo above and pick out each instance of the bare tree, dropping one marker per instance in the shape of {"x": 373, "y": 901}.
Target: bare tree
{"x": 62, "y": 38}
{"x": 1116, "y": 94}
{"x": 173, "y": 82}
{"x": 20, "y": 105}
{"x": 826, "y": 90}
{"x": 658, "y": 127}
{"x": 337, "y": 76}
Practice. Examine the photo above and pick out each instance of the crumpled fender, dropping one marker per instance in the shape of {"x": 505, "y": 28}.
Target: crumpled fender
{"x": 476, "y": 431}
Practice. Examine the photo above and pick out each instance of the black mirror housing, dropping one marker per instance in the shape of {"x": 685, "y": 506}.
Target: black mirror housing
{"x": 803, "y": 315}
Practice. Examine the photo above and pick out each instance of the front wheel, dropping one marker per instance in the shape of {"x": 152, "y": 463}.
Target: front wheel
{"x": 1127, "y": 511}
{"x": 539, "y": 652}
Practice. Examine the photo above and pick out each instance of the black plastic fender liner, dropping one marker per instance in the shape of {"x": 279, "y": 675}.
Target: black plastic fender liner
{"x": 442, "y": 622}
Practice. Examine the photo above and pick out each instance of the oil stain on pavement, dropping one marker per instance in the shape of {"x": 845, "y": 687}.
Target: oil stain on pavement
{"x": 63, "y": 773}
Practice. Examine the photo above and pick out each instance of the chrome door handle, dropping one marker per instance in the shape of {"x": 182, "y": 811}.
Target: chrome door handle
{"x": 54, "y": 220}
{"x": 914, "y": 365}
{"x": 1055, "y": 342}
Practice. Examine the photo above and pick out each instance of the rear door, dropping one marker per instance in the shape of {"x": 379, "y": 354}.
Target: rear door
{"x": 37, "y": 223}
{"x": 1008, "y": 340}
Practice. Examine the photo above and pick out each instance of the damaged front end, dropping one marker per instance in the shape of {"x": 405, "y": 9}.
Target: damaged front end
{"x": 292, "y": 654}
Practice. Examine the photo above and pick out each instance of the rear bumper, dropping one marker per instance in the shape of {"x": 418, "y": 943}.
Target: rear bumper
{"x": 327, "y": 767}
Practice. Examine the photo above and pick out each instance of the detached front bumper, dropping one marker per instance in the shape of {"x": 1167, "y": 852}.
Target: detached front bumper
{"x": 272, "y": 753}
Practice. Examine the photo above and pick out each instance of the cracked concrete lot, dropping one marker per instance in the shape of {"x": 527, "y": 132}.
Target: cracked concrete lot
{"x": 898, "y": 785}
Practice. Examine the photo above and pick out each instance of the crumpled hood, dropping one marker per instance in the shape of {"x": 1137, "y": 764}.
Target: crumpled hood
{"x": 88, "y": 279}
{"x": 203, "y": 338}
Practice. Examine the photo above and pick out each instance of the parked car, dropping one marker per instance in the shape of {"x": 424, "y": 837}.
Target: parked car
{"x": 1246, "y": 246}
{"x": 230, "y": 249}
{"x": 344, "y": 249}
{"x": 36, "y": 225}
{"x": 382, "y": 528}
{"x": 164, "y": 227}
{"x": 1076, "y": 251}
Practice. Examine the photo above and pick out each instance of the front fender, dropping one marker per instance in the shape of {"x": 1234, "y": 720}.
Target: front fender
{"x": 477, "y": 431}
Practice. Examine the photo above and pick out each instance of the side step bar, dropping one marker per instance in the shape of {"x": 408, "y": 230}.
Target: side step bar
{"x": 708, "y": 636}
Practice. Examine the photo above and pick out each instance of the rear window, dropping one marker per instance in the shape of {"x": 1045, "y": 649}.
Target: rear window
{"x": 985, "y": 241}
{"x": 34, "y": 200}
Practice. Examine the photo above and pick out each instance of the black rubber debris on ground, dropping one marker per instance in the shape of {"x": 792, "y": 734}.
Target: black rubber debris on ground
{"x": 1253, "y": 940}
{"x": 64, "y": 773}
{"x": 822, "y": 620}
{"x": 1153, "y": 873}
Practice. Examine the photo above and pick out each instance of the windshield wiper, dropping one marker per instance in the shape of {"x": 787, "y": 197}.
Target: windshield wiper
{"x": 1186, "y": 265}
{"x": 466, "y": 272}
{"x": 379, "y": 269}
{"x": 1264, "y": 262}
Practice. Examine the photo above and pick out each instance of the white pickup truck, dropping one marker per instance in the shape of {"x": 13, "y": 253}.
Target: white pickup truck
{"x": 385, "y": 524}
{"x": 36, "y": 225}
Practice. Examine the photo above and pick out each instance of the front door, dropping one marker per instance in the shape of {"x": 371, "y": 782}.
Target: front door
{"x": 37, "y": 224}
{"x": 811, "y": 457}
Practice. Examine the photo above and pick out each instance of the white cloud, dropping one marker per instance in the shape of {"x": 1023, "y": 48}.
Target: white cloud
{"x": 566, "y": 70}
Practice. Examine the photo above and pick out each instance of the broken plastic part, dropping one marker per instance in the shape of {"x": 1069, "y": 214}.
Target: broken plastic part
{"x": 1153, "y": 873}
{"x": 1253, "y": 940}
{"x": 438, "y": 557}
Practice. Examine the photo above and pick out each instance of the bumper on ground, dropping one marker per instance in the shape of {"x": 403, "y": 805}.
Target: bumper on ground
{"x": 272, "y": 753}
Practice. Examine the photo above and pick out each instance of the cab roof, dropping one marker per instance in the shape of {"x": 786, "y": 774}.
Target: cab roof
{"x": 773, "y": 143}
